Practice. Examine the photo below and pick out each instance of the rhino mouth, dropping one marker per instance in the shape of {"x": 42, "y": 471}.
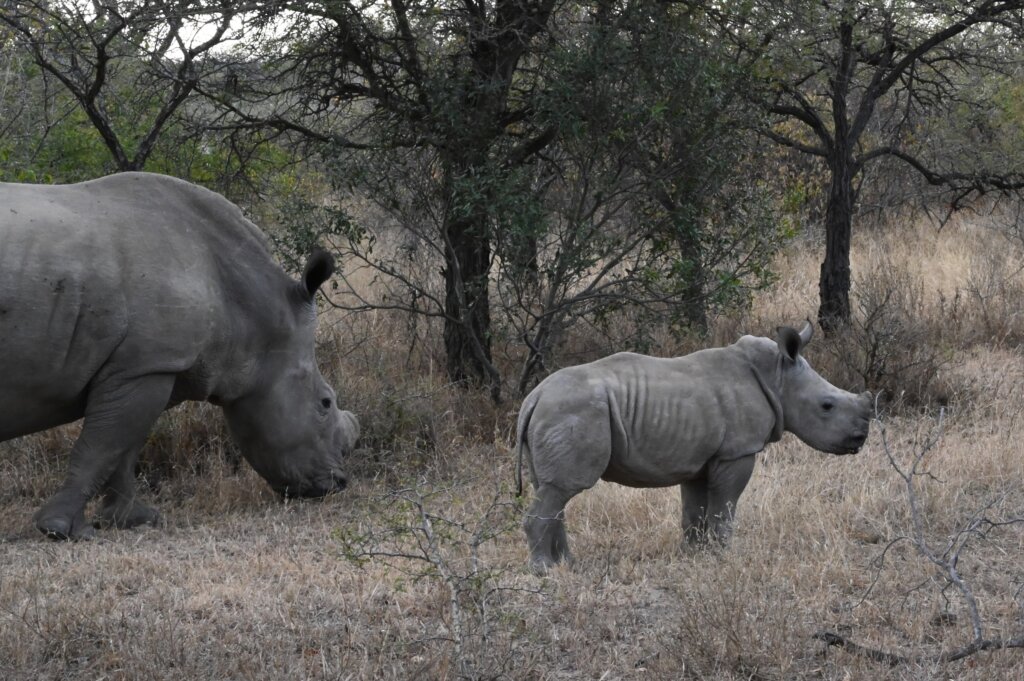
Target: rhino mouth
{"x": 313, "y": 490}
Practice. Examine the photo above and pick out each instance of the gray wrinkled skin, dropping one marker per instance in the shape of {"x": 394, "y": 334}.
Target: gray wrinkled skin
{"x": 696, "y": 421}
{"x": 124, "y": 296}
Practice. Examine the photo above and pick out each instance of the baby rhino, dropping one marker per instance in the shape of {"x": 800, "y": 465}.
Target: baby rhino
{"x": 696, "y": 421}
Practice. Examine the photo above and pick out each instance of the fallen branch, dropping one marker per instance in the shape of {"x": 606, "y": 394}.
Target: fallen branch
{"x": 833, "y": 639}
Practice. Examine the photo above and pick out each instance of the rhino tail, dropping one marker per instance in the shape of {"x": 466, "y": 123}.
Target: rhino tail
{"x": 522, "y": 444}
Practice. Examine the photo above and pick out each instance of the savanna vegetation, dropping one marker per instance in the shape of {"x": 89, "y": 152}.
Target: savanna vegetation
{"x": 513, "y": 186}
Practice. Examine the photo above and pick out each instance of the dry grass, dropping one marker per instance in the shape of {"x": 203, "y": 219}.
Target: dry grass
{"x": 237, "y": 585}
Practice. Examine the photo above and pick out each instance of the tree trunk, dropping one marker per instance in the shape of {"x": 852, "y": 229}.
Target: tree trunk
{"x": 694, "y": 307}
{"x": 467, "y": 327}
{"x": 496, "y": 43}
{"x": 834, "y": 285}
{"x": 686, "y": 234}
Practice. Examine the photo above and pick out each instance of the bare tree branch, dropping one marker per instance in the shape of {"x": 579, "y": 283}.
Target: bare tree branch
{"x": 946, "y": 561}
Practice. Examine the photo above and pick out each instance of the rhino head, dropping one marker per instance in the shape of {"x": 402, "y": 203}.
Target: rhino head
{"x": 822, "y": 415}
{"x": 289, "y": 427}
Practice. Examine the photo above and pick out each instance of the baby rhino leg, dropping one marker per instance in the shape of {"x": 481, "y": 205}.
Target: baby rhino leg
{"x": 726, "y": 482}
{"x": 570, "y": 450}
{"x": 695, "y": 511}
{"x": 709, "y": 500}
{"x": 545, "y": 528}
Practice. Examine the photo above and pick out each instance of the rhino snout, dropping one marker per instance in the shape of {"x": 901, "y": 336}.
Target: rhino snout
{"x": 336, "y": 483}
{"x": 314, "y": 489}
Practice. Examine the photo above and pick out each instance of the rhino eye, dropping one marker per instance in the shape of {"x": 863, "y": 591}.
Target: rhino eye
{"x": 827, "y": 406}
{"x": 326, "y": 403}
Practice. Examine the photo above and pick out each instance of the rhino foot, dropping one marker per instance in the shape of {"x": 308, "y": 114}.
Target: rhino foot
{"x": 64, "y": 527}
{"x": 124, "y": 516}
{"x": 541, "y": 565}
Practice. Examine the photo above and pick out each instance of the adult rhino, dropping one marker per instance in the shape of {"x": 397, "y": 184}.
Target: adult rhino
{"x": 124, "y": 296}
{"x": 696, "y": 421}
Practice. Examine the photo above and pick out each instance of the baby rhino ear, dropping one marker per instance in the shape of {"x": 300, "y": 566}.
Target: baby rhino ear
{"x": 318, "y": 269}
{"x": 791, "y": 341}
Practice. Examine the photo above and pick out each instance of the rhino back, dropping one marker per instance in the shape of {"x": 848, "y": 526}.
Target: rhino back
{"x": 121, "y": 274}
{"x": 669, "y": 416}
{"x": 61, "y": 315}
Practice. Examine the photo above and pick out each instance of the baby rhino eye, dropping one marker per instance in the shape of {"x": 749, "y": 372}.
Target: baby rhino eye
{"x": 326, "y": 403}
{"x": 827, "y": 406}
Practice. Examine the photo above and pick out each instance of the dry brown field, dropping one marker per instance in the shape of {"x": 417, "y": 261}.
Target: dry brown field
{"x": 418, "y": 570}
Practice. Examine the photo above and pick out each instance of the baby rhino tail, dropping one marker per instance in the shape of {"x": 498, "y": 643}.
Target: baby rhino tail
{"x": 522, "y": 443}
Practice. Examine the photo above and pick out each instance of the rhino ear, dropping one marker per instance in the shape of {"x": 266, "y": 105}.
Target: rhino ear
{"x": 318, "y": 269}
{"x": 789, "y": 342}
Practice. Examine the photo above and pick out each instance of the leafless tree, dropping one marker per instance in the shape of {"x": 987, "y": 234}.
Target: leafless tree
{"x": 130, "y": 65}
{"x": 853, "y": 82}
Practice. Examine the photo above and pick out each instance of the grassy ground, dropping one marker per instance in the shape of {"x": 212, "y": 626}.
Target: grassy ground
{"x": 418, "y": 570}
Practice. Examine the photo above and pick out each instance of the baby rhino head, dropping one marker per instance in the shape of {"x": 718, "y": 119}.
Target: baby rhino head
{"x": 825, "y": 417}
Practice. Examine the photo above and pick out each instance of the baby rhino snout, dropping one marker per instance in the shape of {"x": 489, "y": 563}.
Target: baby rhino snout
{"x": 861, "y": 422}
{"x": 853, "y": 429}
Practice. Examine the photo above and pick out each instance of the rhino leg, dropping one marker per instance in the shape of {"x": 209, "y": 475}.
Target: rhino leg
{"x": 118, "y": 417}
{"x": 545, "y": 528}
{"x": 121, "y": 507}
{"x": 709, "y": 502}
